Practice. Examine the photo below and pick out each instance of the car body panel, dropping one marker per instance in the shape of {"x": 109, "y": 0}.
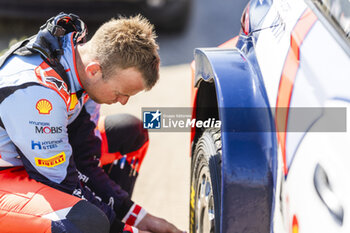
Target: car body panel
{"x": 251, "y": 173}
{"x": 291, "y": 58}
{"x": 260, "y": 9}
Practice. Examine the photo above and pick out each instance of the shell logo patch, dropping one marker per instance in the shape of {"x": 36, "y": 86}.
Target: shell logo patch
{"x": 44, "y": 106}
{"x": 52, "y": 161}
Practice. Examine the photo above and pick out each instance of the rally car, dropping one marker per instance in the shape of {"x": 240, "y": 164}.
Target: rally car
{"x": 279, "y": 161}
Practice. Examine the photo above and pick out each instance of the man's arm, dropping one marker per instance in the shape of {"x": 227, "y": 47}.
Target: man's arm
{"x": 87, "y": 150}
{"x": 35, "y": 121}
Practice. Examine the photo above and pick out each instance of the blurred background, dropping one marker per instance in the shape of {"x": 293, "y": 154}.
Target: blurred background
{"x": 182, "y": 25}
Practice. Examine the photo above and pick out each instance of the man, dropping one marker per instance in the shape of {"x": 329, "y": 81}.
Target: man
{"x": 49, "y": 137}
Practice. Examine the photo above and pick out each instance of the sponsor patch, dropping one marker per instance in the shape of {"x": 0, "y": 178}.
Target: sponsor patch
{"x": 51, "y": 79}
{"x": 52, "y": 161}
{"x": 43, "y": 106}
{"x": 73, "y": 101}
{"x": 83, "y": 177}
{"x": 39, "y": 123}
{"x": 45, "y": 145}
{"x": 58, "y": 83}
{"x": 48, "y": 130}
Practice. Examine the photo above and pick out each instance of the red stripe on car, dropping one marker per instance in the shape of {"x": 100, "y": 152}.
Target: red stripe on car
{"x": 291, "y": 66}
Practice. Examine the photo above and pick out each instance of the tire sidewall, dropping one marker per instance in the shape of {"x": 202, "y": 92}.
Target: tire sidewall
{"x": 206, "y": 153}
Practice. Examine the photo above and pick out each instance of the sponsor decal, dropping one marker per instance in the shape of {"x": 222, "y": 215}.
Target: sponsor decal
{"x": 73, "y": 101}
{"x": 83, "y": 177}
{"x": 43, "y": 106}
{"x": 57, "y": 82}
{"x": 78, "y": 193}
{"x": 279, "y": 27}
{"x": 52, "y": 161}
{"x": 152, "y": 119}
{"x": 46, "y": 145}
{"x": 39, "y": 123}
{"x": 48, "y": 130}
{"x": 51, "y": 79}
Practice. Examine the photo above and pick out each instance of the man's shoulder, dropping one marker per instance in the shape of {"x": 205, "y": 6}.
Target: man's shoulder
{"x": 22, "y": 71}
{"x": 18, "y": 72}
{"x": 17, "y": 64}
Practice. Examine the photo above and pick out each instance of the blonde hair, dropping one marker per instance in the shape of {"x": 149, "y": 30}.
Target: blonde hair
{"x": 127, "y": 42}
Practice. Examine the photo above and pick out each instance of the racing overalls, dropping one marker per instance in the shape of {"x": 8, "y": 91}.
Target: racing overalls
{"x": 51, "y": 130}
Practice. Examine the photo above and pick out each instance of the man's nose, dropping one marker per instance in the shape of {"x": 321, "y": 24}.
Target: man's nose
{"x": 123, "y": 100}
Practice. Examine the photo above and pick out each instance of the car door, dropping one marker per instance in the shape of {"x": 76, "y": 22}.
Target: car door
{"x": 316, "y": 146}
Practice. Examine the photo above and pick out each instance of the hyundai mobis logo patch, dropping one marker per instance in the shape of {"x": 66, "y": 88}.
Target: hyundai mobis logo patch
{"x": 48, "y": 130}
{"x": 45, "y": 127}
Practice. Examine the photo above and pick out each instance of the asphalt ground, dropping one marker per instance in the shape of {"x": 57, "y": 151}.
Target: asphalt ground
{"x": 164, "y": 180}
{"x": 163, "y": 184}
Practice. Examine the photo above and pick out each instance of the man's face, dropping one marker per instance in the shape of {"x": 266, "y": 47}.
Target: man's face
{"x": 123, "y": 84}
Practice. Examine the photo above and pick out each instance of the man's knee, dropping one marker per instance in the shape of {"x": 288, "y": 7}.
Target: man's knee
{"x": 125, "y": 133}
{"x": 83, "y": 217}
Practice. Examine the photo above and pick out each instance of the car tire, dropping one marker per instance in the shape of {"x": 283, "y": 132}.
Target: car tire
{"x": 171, "y": 15}
{"x": 205, "y": 197}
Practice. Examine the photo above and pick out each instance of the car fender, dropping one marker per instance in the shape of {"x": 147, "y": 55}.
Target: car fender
{"x": 248, "y": 141}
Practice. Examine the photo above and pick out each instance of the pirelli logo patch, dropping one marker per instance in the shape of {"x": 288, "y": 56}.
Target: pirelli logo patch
{"x": 52, "y": 161}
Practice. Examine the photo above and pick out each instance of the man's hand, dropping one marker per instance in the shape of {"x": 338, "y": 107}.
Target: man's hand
{"x": 156, "y": 225}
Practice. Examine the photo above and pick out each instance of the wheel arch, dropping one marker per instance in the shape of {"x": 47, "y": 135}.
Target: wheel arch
{"x": 226, "y": 80}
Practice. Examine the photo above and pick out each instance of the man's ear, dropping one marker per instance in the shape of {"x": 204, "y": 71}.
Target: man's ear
{"x": 92, "y": 68}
